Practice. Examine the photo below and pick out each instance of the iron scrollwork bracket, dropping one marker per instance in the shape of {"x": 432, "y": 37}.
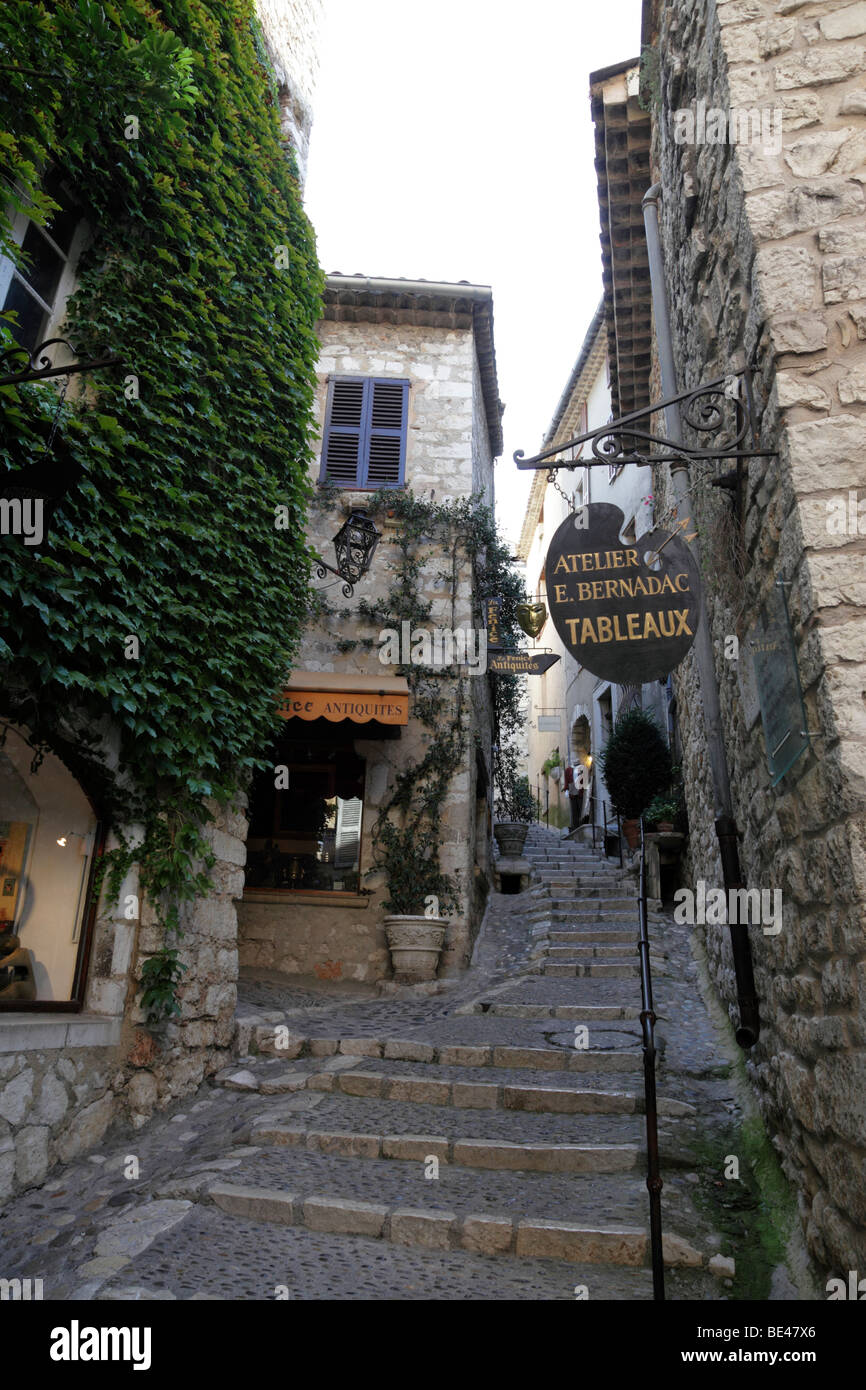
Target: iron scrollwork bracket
{"x": 38, "y": 366}
{"x": 723, "y": 407}
{"x": 323, "y": 568}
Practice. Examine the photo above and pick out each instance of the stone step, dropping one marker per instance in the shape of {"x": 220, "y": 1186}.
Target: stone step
{"x": 434, "y": 1229}
{"x": 488, "y": 1095}
{"x": 336, "y": 1111}
{"x": 588, "y": 919}
{"x": 600, "y": 971}
{"x": 494, "y": 1056}
{"x": 497, "y": 1155}
{"x": 305, "y": 1265}
{"x": 596, "y": 937}
{"x": 576, "y": 950}
{"x": 580, "y": 1013}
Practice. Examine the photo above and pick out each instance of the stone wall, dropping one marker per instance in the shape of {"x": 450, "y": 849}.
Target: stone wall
{"x": 291, "y": 29}
{"x": 447, "y": 455}
{"x": 765, "y": 256}
{"x": 65, "y": 1078}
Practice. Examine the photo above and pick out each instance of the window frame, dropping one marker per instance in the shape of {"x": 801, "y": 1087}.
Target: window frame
{"x": 364, "y": 433}
{"x": 52, "y": 314}
{"x": 77, "y": 997}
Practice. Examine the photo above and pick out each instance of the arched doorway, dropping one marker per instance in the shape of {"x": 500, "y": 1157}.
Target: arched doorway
{"x": 580, "y": 792}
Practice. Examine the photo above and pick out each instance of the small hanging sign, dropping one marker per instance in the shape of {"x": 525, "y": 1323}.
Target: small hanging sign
{"x": 492, "y": 615}
{"x": 774, "y": 657}
{"x": 521, "y": 663}
{"x": 628, "y": 612}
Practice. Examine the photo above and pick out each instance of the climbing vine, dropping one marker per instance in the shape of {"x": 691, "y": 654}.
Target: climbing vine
{"x": 408, "y": 829}
{"x": 153, "y": 627}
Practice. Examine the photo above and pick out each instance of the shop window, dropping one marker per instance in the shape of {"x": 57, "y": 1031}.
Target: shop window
{"x": 306, "y": 836}
{"x": 49, "y": 842}
{"x": 365, "y": 433}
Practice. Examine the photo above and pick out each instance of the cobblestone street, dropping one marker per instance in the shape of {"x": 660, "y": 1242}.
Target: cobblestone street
{"x": 447, "y": 1145}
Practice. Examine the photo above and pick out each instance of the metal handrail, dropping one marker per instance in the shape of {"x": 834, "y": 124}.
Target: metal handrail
{"x": 648, "y": 1019}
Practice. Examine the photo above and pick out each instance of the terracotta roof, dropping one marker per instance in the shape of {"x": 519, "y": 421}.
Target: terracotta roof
{"x": 622, "y": 161}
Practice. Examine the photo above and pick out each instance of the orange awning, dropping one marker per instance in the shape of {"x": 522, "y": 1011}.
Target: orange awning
{"x": 338, "y": 695}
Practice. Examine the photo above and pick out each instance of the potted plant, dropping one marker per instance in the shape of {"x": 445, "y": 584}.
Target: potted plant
{"x": 662, "y": 812}
{"x": 514, "y": 808}
{"x": 552, "y": 766}
{"x": 636, "y": 766}
{"x": 419, "y": 898}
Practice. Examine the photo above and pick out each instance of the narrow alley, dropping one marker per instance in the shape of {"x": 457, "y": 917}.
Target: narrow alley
{"x": 468, "y": 1143}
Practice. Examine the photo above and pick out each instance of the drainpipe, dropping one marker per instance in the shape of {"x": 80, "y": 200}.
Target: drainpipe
{"x": 726, "y": 828}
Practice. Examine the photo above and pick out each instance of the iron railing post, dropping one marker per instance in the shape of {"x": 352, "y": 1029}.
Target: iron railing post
{"x": 648, "y": 1018}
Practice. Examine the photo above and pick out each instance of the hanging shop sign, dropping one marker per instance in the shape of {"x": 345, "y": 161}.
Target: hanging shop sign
{"x": 774, "y": 658}
{"x": 627, "y": 612}
{"x": 520, "y": 663}
{"x": 492, "y": 621}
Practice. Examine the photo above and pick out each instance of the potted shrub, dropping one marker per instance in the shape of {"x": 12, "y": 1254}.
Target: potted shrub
{"x": 636, "y": 766}
{"x": 662, "y": 812}
{"x": 514, "y": 808}
{"x": 409, "y": 859}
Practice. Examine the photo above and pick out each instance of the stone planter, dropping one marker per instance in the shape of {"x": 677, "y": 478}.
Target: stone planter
{"x": 415, "y": 944}
{"x": 510, "y": 837}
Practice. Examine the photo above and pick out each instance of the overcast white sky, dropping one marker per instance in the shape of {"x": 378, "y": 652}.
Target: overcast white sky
{"x": 453, "y": 141}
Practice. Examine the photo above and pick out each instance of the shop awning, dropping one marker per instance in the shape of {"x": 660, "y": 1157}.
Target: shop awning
{"x": 338, "y": 695}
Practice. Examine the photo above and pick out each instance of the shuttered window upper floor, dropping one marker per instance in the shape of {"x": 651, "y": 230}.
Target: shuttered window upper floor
{"x": 364, "y": 443}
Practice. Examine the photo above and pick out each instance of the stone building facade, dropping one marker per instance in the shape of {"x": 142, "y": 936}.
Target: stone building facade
{"x": 764, "y": 255}
{"x": 316, "y": 917}
{"x": 292, "y": 30}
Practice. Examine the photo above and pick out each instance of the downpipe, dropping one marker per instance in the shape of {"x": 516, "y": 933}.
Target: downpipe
{"x": 726, "y": 829}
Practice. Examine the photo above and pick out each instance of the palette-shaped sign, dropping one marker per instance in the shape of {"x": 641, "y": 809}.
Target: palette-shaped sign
{"x": 627, "y": 620}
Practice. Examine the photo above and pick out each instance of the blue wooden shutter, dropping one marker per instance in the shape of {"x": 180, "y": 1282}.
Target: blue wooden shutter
{"x": 365, "y": 433}
{"x": 341, "y": 455}
{"x": 385, "y": 450}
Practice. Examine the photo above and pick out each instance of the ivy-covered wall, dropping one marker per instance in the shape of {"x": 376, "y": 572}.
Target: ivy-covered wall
{"x": 146, "y": 638}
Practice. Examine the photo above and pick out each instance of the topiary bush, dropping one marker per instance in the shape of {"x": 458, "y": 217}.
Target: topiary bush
{"x": 635, "y": 764}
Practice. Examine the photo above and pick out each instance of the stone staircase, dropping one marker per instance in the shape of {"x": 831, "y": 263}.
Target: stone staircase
{"x": 484, "y": 1136}
{"x": 483, "y": 1143}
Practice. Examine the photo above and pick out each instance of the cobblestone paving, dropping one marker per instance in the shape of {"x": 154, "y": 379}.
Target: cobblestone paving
{"x": 94, "y": 1232}
{"x": 211, "y": 1258}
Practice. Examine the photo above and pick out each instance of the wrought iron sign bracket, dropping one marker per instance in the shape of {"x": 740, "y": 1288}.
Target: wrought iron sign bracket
{"x": 39, "y": 367}
{"x": 724, "y": 406}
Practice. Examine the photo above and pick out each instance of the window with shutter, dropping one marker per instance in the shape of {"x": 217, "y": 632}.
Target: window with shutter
{"x": 365, "y": 433}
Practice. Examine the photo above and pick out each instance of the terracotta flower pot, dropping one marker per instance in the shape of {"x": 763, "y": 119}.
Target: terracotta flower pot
{"x": 510, "y": 837}
{"x": 631, "y": 831}
{"x": 415, "y": 944}
{"x": 665, "y": 825}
